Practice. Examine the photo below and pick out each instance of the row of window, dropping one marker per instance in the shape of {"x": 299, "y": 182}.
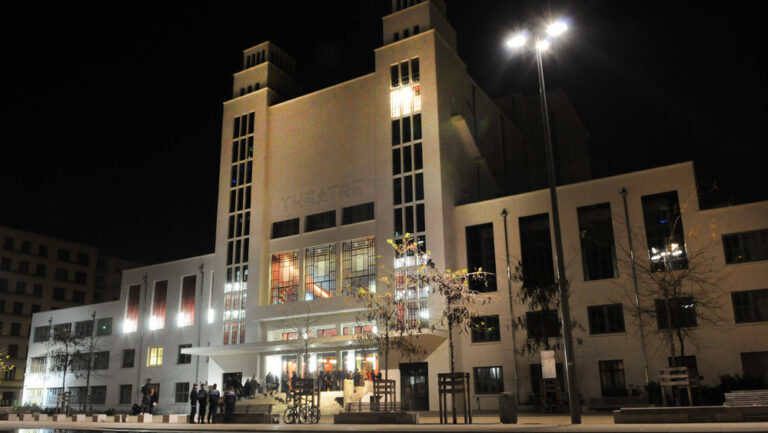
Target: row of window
{"x": 159, "y": 300}
{"x": 15, "y": 329}
{"x": 21, "y": 288}
{"x": 323, "y": 220}
{"x": 487, "y": 380}
{"x": 23, "y": 267}
{"x": 402, "y": 4}
{"x": 99, "y": 394}
{"x": 242, "y": 149}
{"x": 40, "y": 271}
{"x": 63, "y": 331}
{"x": 76, "y": 362}
{"x": 404, "y": 72}
{"x": 406, "y": 33}
{"x": 63, "y": 254}
{"x": 18, "y": 308}
{"x": 405, "y": 130}
{"x": 358, "y": 269}
{"x": 664, "y": 234}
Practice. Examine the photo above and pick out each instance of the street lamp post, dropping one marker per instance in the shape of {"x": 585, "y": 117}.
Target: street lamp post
{"x": 541, "y": 45}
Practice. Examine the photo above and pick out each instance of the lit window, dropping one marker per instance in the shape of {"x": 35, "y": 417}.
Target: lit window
{"x": 187, "y": 313}
{"x": 130, "y": 324}
{"x": 285, "y": 277}
{"x": 358, "y": 264}
{"x": 406, "y": 97}
{"x": 154, "y": 356}
{"x": 394, "y": 103}
{"x": 404, "y": 101}
{"x": 157, "y": 321}
{"x": 320, "y": 271}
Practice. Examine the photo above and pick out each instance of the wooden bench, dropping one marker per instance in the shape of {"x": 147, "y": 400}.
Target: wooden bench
{"x": 254, "y": 414}
{"x": 747, "y": 398}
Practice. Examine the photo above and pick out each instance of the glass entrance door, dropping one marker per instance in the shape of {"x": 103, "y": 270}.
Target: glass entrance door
{"x": 230, "y": 380}
{"x": 414, "y": 390}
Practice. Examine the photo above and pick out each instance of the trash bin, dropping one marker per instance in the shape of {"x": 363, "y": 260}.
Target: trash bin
{"x": 507, "y": 408}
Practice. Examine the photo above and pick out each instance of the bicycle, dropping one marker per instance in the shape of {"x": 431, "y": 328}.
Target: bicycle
{"x": 309, "y": 414}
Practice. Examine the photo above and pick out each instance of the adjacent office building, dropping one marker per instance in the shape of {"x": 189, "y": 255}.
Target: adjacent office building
{"x": 41, "y": 273}
{"x": 311, "y": 188}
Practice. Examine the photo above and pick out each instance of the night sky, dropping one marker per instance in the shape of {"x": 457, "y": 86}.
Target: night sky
{"x": 111, "y": 117}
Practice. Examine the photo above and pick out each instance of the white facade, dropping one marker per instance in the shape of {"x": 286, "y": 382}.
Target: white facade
{"x": 307, "y": 202}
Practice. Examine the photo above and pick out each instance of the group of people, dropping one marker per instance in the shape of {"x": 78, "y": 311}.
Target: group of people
{"x": 330, "y": 380}
{"x": 200, "y": 398}
{"x": 248, "y": 389}
{"x": 205, "y": 402}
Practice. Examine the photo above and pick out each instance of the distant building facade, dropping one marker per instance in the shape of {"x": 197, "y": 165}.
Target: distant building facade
{"x": 39, "y": 273}
{"x": 312, "y": 187}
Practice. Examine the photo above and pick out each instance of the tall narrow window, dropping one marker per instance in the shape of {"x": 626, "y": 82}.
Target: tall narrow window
{"x": 320, "y": 271}
{"x": 481, "y": 256}
{"x": 536, "y": 249}
{"x": 187, "y": 310}
{"x": 131, "y": 322}
{"x": 395, "y": 132}
{"x": 158, "y": 305}
{"x": 285, "y": 277}
{"x": 664, "y": 231}
{"x": 358, "y": 264}
{"x": 598, "y": 251}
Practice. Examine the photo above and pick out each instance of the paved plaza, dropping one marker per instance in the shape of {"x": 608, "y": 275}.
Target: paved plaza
{"x": 428, "y": 422}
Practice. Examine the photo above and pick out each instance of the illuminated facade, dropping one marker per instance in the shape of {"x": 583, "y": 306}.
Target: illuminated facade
{"x": 312, "y": 186}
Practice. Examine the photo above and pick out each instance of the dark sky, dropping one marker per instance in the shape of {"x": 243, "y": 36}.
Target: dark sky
{"x": 110, "y": 122}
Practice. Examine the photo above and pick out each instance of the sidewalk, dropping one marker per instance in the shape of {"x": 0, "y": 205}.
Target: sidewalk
{"x": 428, "y": 422}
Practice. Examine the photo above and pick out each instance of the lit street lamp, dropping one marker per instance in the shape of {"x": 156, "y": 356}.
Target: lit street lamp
{"x": 542, "y": 42}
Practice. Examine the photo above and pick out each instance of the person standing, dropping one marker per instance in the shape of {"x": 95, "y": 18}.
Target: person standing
{"x": 229, "y": 405}
{"x": 193, "y": 403}
{"x": 202, "y": 400}
{"x": 246, "y": 390}
{"x": 153, "y": 398}
{"x": 213, "y": 403}
{"x": 145, "y": 397}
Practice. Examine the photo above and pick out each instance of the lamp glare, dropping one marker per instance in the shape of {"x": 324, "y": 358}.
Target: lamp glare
{"x": 557, "y": 28}
{"x": 517, "y": 41}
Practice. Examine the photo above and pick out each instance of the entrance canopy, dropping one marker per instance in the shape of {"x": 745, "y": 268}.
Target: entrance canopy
{"x": 427, "y": 341}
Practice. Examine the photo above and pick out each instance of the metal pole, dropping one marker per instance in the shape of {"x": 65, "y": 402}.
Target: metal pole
{"x": 570, "y": 362}
{"x": 198, "y": 322}
{"x": 511, "y": 308}
{"x": 637, "y": 290}
{"x": 140, "y": 329}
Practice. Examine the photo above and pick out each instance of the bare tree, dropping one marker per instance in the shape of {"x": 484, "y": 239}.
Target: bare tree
{"x": 677, "y": 284}
{"x": 679, "y": 293}
{"x": 453, "y": 287}
{"x": 393, "y": 332}
{"x": 541, "y": 320}
{"x": 6, "y": 365}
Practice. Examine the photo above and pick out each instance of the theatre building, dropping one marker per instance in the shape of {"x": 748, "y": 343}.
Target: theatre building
{"x": 311, "y": 188}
